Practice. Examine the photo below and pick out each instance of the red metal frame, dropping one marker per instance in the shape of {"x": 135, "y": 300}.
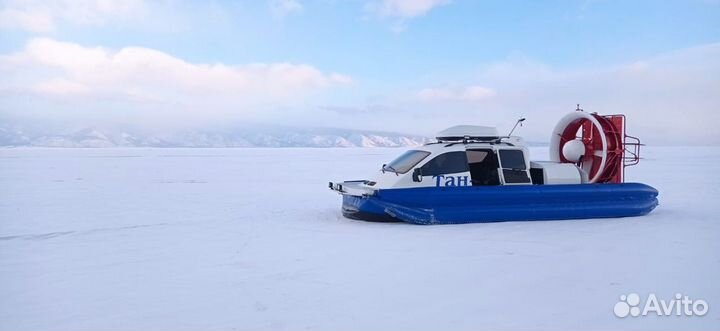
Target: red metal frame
{"x": 622, "y": 150}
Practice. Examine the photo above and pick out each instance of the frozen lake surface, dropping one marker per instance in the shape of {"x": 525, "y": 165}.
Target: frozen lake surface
{"x": 252, "y": 239}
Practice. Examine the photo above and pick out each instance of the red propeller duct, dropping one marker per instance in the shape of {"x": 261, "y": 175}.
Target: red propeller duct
{"x": 595, "y": 143}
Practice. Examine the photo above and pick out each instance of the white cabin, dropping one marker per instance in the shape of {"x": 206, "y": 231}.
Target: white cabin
{"x": 467, "y": 155}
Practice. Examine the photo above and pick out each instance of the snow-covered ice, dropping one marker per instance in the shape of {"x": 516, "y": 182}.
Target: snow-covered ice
{"x": 252, "y": 239}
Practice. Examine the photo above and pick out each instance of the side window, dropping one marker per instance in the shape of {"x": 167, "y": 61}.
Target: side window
{"x": 477, "y": 156}
{"x": 512, "y": 159}
{"x": 448, "y": 163}
{"x": 513, "y": 166}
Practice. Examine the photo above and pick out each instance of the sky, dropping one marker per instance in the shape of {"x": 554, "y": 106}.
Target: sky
{"x": 414, "y": 66}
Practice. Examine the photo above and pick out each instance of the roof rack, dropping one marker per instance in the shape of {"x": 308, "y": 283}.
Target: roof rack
{"x": 471, "y": 140}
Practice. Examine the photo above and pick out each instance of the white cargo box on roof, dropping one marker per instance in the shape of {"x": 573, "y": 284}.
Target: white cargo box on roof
{"x": 460, "y": 132}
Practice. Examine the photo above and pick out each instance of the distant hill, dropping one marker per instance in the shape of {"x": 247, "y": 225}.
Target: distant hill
{"x": 262, "y": 136}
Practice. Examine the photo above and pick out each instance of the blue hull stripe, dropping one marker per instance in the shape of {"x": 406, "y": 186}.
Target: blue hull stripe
{"x": 454, "y": 205}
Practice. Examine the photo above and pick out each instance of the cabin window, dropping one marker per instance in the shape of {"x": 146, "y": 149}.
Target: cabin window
{"x": 512, "y": 159}
{"x": 483, "y": 165}
{"x": 448, "y": 163}
{"x": 406, "y": 161}
{"x": 514, "y": 167}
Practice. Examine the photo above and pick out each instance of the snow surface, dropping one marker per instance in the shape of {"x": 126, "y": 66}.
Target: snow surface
{"x": 252, "y": 239}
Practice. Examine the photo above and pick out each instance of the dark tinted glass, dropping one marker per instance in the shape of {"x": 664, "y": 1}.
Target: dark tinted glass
{"x": 477, "y": 156}
{"x": 406, "y": 161}
{"x": 515, "y": 176}
{"x": 448, "y": 163}
{"x": 512, "y": 159}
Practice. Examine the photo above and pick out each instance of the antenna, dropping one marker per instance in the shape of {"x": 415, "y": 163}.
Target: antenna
{"x": 522, "y": 119}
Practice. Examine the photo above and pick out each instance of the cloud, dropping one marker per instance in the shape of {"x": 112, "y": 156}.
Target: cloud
{"x": 143, "y": 78}
{"x": 670, "y": 98}
{"x": 116, "y": 71}
{"x": 34, "y": 21}
{"x": 370, "y": 109}
{"x": 60, "y": 86}
{"x": 467, "y": 93}
{"x": 404, "y": 8}
{"x": 44, "y": 16}
{"x": 282, "y": 8}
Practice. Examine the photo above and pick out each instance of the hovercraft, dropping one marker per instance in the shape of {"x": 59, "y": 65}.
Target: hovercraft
{"x": 471, "y": 174}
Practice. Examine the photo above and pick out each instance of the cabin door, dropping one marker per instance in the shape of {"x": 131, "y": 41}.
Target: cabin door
{"x": 514, "y": 167}
{"x": 483, "y": 164}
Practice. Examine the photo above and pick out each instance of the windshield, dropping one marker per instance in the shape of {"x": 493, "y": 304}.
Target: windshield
{"x": 406, "y": 161}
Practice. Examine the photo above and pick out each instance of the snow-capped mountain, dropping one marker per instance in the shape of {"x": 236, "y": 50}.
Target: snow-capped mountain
{"x": 263, "y": 136}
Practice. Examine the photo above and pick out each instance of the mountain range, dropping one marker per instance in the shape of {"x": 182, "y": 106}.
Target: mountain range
{"x": 259, "y": 136}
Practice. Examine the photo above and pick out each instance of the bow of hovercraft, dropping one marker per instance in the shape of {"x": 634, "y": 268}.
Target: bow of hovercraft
{"x": 356, "y": 202}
